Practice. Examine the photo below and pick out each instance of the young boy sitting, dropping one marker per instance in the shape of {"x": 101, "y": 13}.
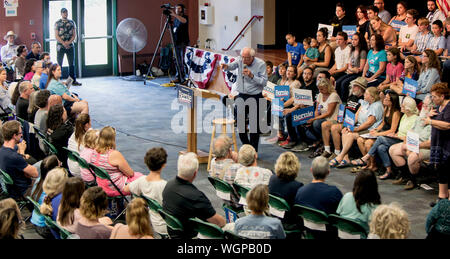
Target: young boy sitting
{"x": 311, "y": 54}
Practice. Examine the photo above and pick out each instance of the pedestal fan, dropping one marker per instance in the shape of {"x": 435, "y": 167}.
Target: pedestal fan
{"x": 131, "y": 36}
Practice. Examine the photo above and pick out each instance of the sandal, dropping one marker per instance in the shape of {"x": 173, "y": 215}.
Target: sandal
{"x": 358, "y": 162}
{"x": 333, "y": 163}
{"x": 344, "y": 163}
{"x": 388, "y": 176}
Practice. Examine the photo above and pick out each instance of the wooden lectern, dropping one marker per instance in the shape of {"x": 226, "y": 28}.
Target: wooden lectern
{"x": 214, "y": 89}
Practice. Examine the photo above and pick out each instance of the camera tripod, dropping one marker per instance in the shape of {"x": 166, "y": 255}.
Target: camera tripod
{"x": 179, "y": 67}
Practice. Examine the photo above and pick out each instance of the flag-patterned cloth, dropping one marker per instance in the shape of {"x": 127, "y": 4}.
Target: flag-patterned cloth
{"x": 201, "y": 65}
{"x": 230, "y": 76}
{"x": 444, "y": 6}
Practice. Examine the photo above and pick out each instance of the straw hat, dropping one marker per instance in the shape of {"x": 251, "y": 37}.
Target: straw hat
{"x": 10, "y": 33}
{"x": 360, "y": 81}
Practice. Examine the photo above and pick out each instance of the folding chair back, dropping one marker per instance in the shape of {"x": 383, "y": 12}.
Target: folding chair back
{"x": 152, "y": 204}
{"x": 207, "y": 230}
{"x": 172, "y": 223}
{"x": 278, "y": 206}
{"x": 349, "y": 228}
{"x": 313, "y": 220}
{"x": 242, "y": 190}
{"x": 223, "y": 189}
{"x": 62, "y": 232}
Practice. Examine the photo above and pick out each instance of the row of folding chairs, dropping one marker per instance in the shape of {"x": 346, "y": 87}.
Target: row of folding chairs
{"x": 315, "y": 222}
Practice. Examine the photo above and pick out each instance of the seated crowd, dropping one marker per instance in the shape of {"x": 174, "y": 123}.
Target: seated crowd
{"x": 365, "y": 74}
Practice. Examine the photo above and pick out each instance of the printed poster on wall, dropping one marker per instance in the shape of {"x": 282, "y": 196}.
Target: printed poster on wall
{"x": 10, "y": 11}
{"x": 10, "y": 3}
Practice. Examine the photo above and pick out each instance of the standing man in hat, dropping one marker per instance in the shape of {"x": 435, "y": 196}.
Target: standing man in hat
{"x": 65, "y": 33}
{"x": 8, "y": 52}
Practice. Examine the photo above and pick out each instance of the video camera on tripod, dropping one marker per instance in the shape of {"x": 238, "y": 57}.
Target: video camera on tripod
{"x": 167, "y": 8}
{"x": 167, "y": 27}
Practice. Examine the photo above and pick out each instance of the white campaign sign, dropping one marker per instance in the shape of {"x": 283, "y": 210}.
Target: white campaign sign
{"x": 329, "y": 27}
{"x": 269, "y": 90}
{"x": 303, "y": 97}
{"x": 413, "y": 141}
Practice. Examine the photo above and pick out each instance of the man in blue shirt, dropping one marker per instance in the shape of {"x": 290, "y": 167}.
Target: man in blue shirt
{"x": 251, "y": 80}
{"x": 319, "y": 195}
{"x": 12, "y": 160}
{"x": 44, "y": 76}
{"x": 294, "y": 50}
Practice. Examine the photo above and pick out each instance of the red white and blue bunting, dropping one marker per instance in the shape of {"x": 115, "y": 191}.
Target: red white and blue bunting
{"x": 201, "y": 65}
{"x": 231, "y": 75}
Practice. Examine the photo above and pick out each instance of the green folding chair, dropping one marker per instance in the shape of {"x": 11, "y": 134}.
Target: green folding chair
{"x": 242, "y": 190}
{"x": 39, "y": 133}
{"x": 278, "y": 207}
{"x": 7, "y": 180}
{"x": 22, "y": 121}
{"x": 63, "y": 233}
{"x": 74, "y": 156}
{"x": 153, "y": 204}
{"x": 103, "y": 174}
{"x": 207, "y": 230}
{"x": 172, "y": 222}
{"x": 52, "y": 150}
{"x": 349, "y": 228}
{"x": 224, "y": 191}
{"x": 315, "y": 221}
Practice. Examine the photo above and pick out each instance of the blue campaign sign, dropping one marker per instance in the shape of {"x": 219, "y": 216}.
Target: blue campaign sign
{"x": 410, "y": 87}
{"x": 396, "y": 24}
{"x": 350, "y": 30}
{"x": 185, "y": 96}
{"x": 230, "y": 215}
{"x": 277, "y": 107}
{"x": 349, "y": 120}
{"x": 302, "y": 116}
{"x": 282, "y": 91}
{"x": 340, "y": 116}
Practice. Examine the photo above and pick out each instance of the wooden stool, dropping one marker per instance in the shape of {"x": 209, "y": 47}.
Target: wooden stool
{"x": 224, "y": 122}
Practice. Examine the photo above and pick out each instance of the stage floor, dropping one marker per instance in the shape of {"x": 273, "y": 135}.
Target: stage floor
{"x": 144, "y": 116}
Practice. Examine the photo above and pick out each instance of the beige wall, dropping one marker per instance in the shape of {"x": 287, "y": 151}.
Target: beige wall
{"x": 226, "y": 27}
